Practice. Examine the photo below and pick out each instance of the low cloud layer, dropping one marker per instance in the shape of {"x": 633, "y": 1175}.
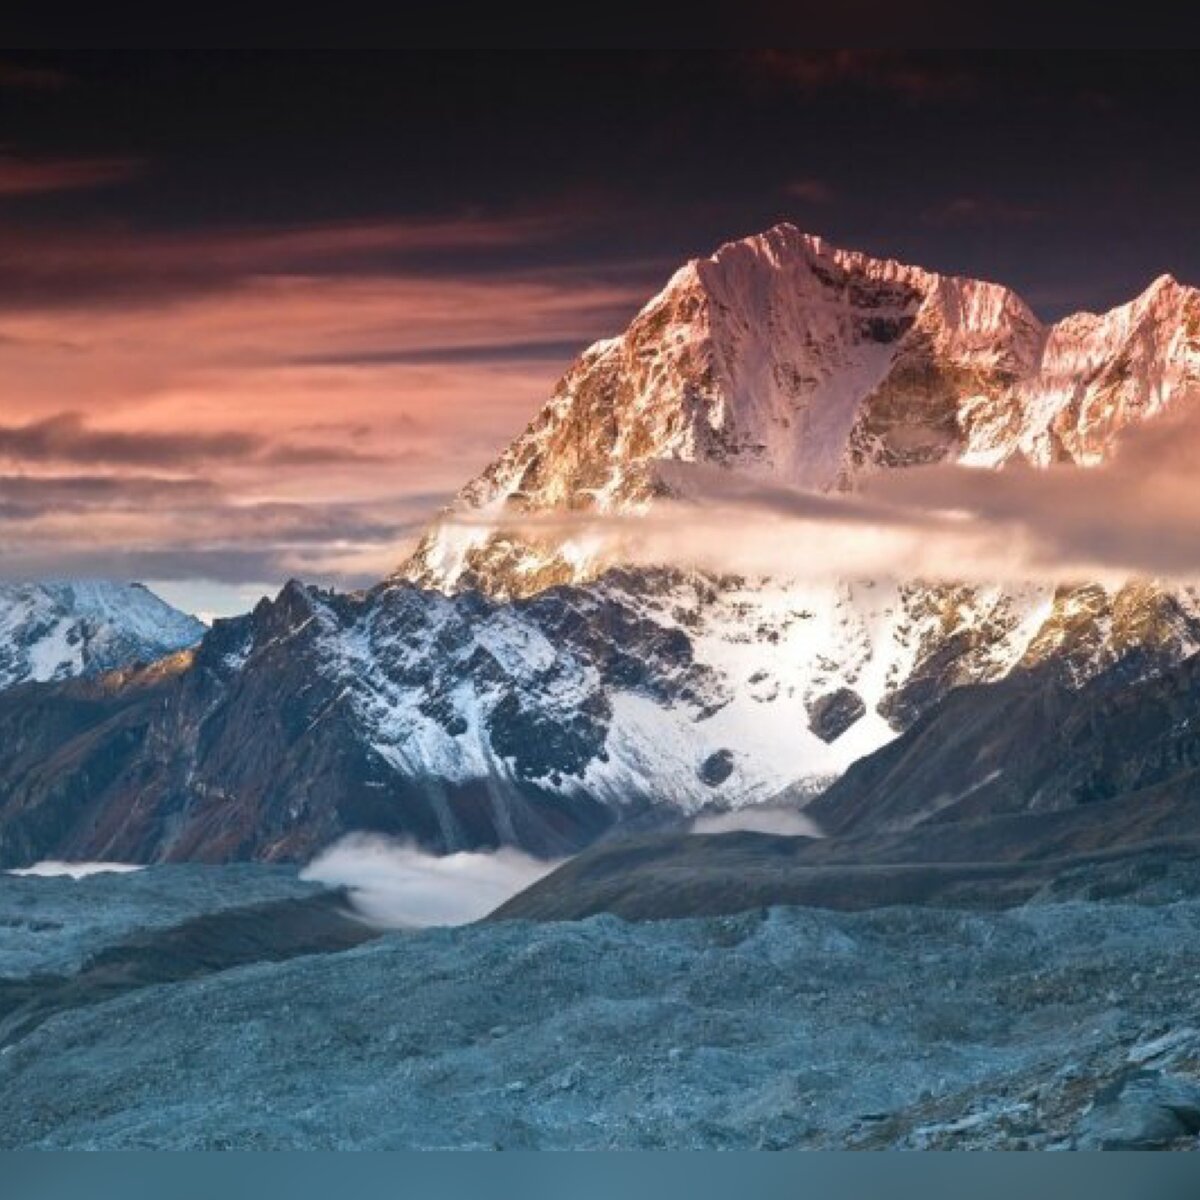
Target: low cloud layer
{"x": 54, "y": 869}
{"x": 398, "y": 886}
{"x": 783, "y": 822}
{"x": 151, "y": 528}
{"x": 1134, "y": 516}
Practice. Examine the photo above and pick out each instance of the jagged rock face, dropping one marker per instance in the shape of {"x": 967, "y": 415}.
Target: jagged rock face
{"x": 465, "y": 722}
{"x": 60, "y": 630}
{"x": 785, "y": 358}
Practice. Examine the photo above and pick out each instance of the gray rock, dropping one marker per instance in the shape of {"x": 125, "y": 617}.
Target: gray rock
{"x": 717, "y": 768}
{"x": 782, "y": 1028}
{"x": 1142, "y": 1110}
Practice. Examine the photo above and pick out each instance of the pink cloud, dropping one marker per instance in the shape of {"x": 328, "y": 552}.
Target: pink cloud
{"x": 27, "y": 77}
{"x": 913, "y": 77}
{"x": 30, "y": 176}
{"x": 811, "y": 191}
{"x": 982, "y": 210}
{"x": 327, "y": 413}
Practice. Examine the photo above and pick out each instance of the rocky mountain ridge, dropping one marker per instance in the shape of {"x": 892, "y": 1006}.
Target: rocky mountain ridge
{"x": 463, "y": 721}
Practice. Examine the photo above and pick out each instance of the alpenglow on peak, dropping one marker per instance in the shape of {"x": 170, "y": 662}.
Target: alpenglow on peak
{"x": 787, "y": 359}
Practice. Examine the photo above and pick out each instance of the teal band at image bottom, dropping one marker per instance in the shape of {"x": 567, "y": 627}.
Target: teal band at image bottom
{"x": 597, "y": 1176}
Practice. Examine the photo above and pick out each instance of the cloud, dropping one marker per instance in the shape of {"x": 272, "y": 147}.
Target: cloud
{"x": 34, "y": 176}
{"x": 558, "y": 350}
{"x": 268, "y": 422}
{"x": 73, "y": 266}
{"x": 397, "y": 886}
{"x": 782, "y": 822}
{"x": 982, "y": 210}
{"x": 811, "y": 191}
{"x": 1135, "y": 516}
{"x": 54, "y": 493}
{"x": 915, "y": 78}
{"x": 300, "y": 455}
{"x": 53, "y": 869}
{"x": 28, "y": 77}
{"x": 146, "y": 527}
{"x": 66, "y": 438}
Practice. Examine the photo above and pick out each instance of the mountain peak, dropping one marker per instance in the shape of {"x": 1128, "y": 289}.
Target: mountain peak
{"x": 784, "y": 357}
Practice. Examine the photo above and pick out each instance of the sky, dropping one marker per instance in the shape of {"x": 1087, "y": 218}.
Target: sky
{"x": 263, "y": 314}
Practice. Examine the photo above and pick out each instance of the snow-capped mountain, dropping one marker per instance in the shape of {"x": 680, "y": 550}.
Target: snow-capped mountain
{"x": 500, "y": 689}
{"x": 463, "y": 721}
{"x": 784, "y": 358}
{"x": 51, "y": 631}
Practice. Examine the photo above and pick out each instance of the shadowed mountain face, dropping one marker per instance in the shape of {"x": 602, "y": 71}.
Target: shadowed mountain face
{"x": 1000, "y": 793}
{"x": 672, "y": 877}
{"x": 543, "y": 716}
{"x": 1031, "y": 746}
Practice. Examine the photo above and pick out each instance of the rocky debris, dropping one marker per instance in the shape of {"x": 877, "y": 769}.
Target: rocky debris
{"x": 209, "y": 943}
{"x": 780, "y": 1028}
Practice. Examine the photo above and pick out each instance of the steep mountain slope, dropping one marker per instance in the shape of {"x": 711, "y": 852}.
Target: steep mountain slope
{"x": 999, "y": 793}
{"x": 59, "y": 630}
{"x": 1033, "y": 746}
{"x": 463, "y": 721}
{"x": 784, "y": 358}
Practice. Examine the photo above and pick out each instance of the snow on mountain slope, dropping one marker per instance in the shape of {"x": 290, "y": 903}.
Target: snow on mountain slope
{"x": 678, "y": 690}
{"x": 783, "y": 358}
{"x": 58, "y": 630}
{"x": 464, "y": 722}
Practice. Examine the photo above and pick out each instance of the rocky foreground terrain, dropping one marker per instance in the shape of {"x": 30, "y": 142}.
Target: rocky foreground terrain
{"x": 1060, "y": 1023}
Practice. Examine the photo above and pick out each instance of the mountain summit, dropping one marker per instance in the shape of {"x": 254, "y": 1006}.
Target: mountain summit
{"x": 789, "y": 360}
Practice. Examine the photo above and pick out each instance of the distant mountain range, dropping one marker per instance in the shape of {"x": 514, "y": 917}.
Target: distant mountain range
{"x": 519, "y": 688}
{"x": 55, "y": 631}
